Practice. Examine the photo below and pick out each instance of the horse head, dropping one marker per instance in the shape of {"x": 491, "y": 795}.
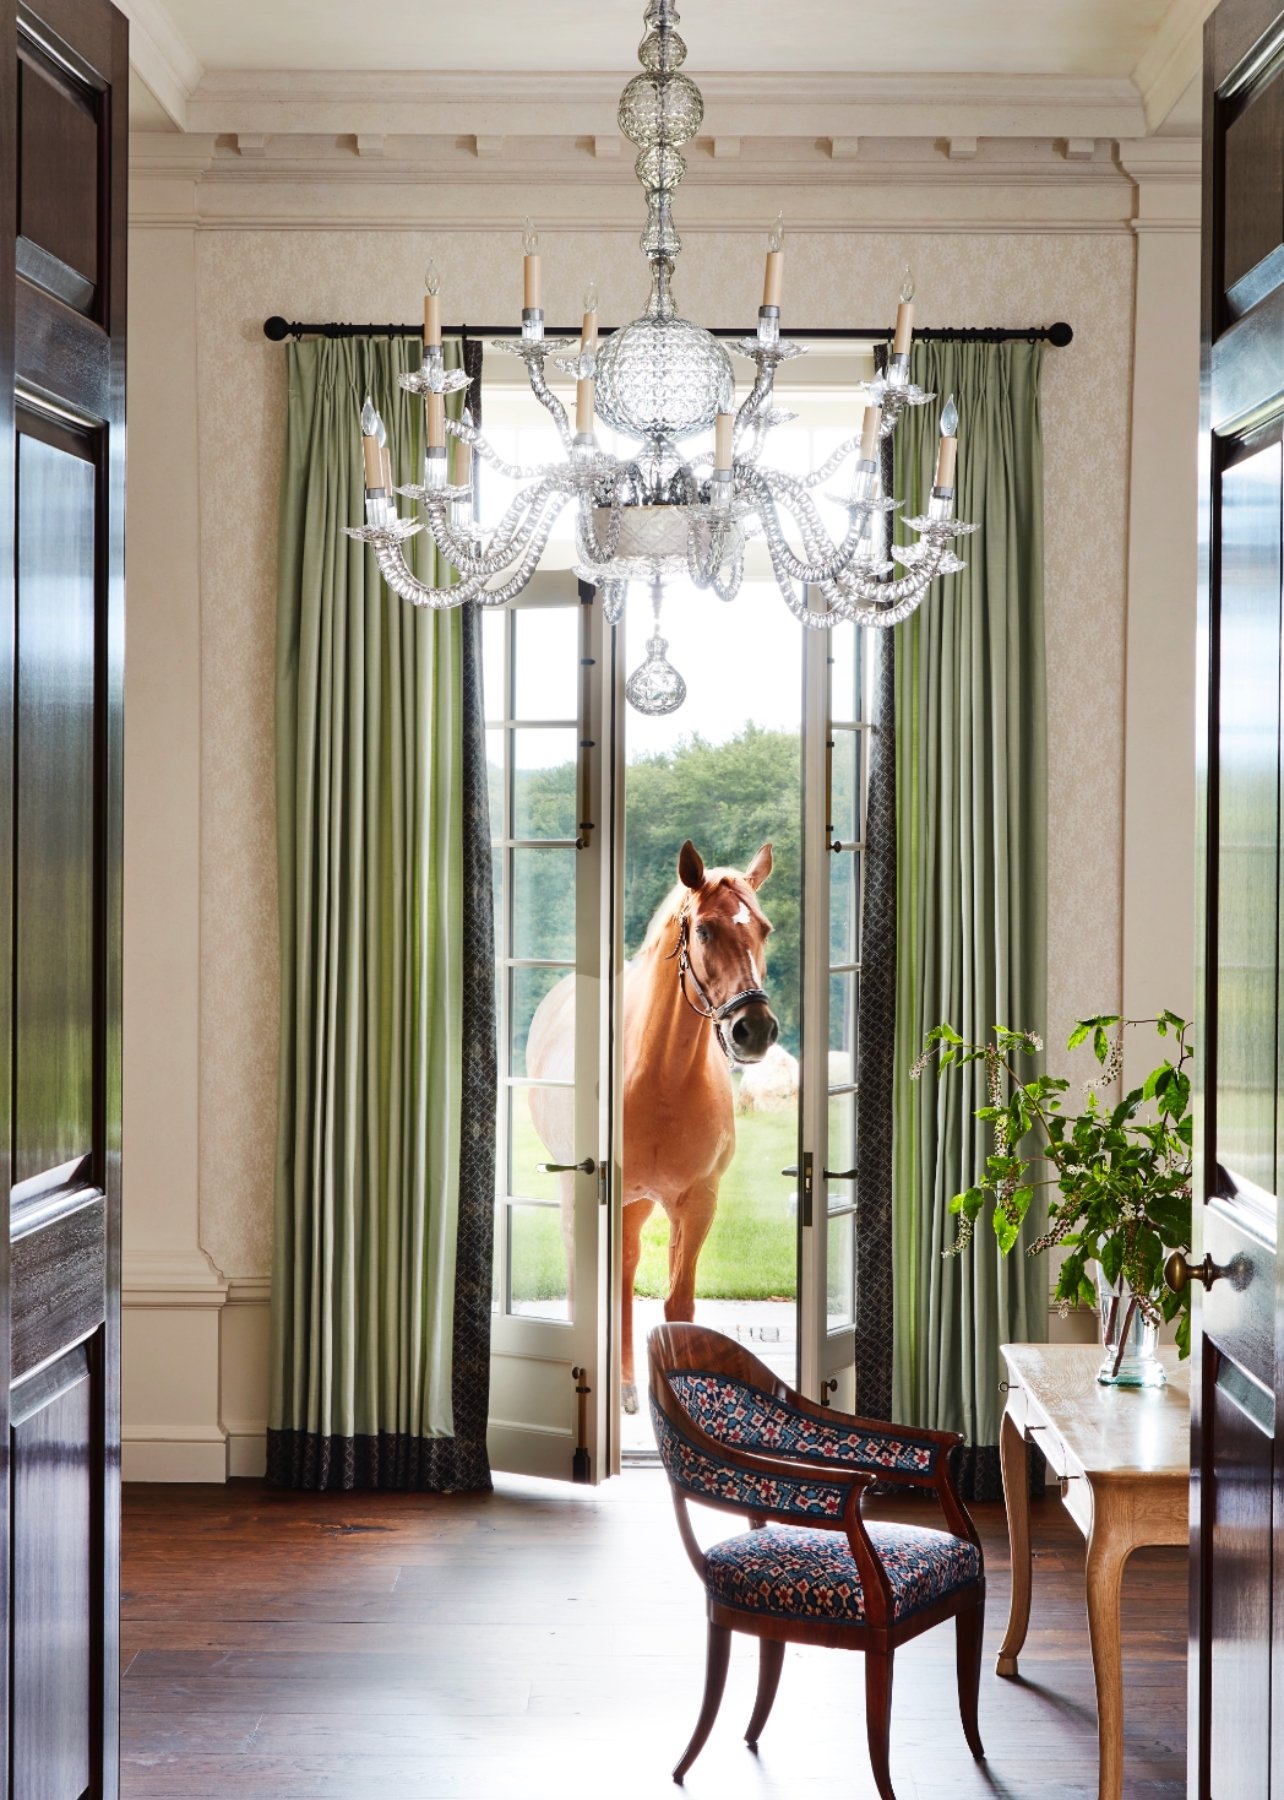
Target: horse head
{"x": 723, "y": 939}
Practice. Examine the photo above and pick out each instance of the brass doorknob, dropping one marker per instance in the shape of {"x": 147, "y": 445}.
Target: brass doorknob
{"x": 1179, "y": 1272}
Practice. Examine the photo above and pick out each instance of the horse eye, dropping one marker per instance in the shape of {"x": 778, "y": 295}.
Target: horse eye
{"x": 702, "y": 934}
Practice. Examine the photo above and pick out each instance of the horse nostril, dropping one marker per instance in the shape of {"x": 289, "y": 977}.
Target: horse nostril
{"x": 739, "y": 1031}
{"x": 773, "y": 1032}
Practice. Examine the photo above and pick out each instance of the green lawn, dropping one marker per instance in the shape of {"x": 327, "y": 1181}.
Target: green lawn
{"x": 749, "y": 1254}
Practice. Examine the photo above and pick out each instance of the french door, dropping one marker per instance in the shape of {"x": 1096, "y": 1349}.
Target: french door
{"x": 835, "y": 716}
{"x": 1237, "y": 1466}
{"x": 550, "y": 1374}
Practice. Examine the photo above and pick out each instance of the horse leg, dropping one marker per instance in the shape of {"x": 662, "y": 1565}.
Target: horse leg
{"x": 636, "y": 1214}
{"x": 690, "y": 1217}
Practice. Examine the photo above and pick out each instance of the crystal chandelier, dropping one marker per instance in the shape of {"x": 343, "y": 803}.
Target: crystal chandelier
{"x": 663, "y": 513}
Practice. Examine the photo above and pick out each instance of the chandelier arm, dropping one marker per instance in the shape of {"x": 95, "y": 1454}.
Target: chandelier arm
{"x": 506, "y": 530}
{"x": 407, "y": 585}
{"x": 591, "y": 547}
{"x": 461, "y": 550}
{"x": 816, "y": 540}
{"x": 832, "y": 464}
{"x": 860, "y": 587}
{"x": 510, "y": 471}
{"x": 509, "y": 589}
{"x": 549, "y": 400}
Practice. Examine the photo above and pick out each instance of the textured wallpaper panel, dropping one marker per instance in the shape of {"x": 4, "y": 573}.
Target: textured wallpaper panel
{"x": 831, "y": 280}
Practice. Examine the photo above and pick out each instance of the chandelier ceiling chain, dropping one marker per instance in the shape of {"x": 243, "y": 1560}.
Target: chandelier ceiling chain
{"x": 659, "y": 514}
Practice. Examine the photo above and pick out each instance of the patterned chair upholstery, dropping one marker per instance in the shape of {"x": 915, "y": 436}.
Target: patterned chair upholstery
{"x": 812, "y": 1570}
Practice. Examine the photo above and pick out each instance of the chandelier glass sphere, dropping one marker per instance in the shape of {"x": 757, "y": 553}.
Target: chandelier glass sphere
{"x": 671, "y": 509}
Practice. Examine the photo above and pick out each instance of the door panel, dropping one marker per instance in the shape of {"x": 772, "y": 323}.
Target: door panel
{"x": 64, "y": 160}
{"x": 54, "y": 950}
{"x": 53, "y": 1526}
{"x": 549, "y": 1366}
{"x": 834, "y": 714}
{"x": 1238, "y": 1336}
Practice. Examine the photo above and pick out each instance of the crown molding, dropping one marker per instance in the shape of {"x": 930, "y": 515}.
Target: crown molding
{"x": 1172, "y": 59}
{"x": 526, "y": 104}
{"x": 1167, "y": 172}
{"x": 914, "y": 185}
{"x": 162, "y": 58}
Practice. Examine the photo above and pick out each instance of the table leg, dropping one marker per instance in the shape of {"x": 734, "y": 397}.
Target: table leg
{"x": 1108, "y": 1551}
{"x": 1016, "y": 1497}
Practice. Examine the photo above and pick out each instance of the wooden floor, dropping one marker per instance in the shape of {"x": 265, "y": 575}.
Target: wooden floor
{"x": 545, "y": 1642}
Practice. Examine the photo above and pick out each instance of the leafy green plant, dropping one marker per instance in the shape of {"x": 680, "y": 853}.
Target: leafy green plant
{"x": 1121, "y": 1172}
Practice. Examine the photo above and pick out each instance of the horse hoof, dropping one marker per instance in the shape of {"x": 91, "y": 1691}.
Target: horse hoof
{"x": 629, "y": 1397}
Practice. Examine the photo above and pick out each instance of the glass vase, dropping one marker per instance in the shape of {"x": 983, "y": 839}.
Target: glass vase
{"x": 1130, "y": 1342}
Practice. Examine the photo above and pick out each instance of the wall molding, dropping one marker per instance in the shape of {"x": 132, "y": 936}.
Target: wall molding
{"x": 501, "y": 104}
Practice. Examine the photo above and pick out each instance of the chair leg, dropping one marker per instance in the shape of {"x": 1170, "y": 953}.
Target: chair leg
{"x": 969, "y": 1627}
{"x": 878, "y": 1717}
{"x": 715, "y": 1679}
{"x": 771, "y": 1659}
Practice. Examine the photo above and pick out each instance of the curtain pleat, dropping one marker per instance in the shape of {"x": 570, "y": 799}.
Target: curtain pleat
{"x": 385, "y": 1172}
{"x": 971, "y": 784}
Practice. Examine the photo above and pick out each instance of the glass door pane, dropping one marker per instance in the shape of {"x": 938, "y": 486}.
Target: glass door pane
{"x": 542, "y": 701}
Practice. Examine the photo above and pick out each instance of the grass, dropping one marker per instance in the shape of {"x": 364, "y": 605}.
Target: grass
{"x": 749, "y": 1254}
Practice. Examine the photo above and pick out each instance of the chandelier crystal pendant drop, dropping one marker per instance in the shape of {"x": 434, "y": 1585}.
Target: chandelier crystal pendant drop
{"x": 663, "y": 514}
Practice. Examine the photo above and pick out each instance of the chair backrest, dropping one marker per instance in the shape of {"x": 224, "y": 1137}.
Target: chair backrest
{"x": 709, "y": 1393}
{"x": 734, "y": 1398}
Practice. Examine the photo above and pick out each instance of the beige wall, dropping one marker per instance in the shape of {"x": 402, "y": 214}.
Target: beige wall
{"x": 207, "y": 402}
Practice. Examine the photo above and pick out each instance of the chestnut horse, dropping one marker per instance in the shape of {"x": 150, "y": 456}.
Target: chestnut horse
{"x": 693, "y": 1002}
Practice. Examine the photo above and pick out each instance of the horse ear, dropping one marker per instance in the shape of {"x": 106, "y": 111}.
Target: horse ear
{"x": 759, "y": 868}
{"x": 690, "y": 866}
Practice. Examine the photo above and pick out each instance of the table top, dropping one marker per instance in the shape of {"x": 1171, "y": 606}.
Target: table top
{"x": 1141, "y": 1432}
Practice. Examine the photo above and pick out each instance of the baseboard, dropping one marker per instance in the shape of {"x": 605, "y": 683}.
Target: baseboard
{"x": 246, "y": 1454}
{"x": 174, "y": 1459}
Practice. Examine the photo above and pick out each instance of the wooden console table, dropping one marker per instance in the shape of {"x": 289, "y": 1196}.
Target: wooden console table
{"x": 1123, "y": 1456}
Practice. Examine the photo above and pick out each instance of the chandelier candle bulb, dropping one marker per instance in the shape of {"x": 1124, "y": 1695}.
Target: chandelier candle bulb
{"x": 461, "y": 463}
{"x": 436, "y": 421}
{"x": 773, "y": 280}
{"x": 370, "y": 446}
{"x": 947, "y": 454}
{"x": 585, "y": 406}
{"x": 432, "y": 306}
{"x": 724, "y": 435}
{"x": 870, "y": 427}
{"x": 530, "y": 269}
{"x": 904, "y": 337}
{"x": 588, "y": 333}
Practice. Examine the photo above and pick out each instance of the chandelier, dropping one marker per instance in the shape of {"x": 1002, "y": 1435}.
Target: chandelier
{"x": 664, "y": 512}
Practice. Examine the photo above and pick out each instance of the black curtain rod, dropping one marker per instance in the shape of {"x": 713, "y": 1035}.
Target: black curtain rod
{"x": 1058, "y": 335}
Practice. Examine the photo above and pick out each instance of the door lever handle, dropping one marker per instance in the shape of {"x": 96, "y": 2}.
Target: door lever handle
{"x": 586, "y": 1167}
{"x": 839, "y": 1174}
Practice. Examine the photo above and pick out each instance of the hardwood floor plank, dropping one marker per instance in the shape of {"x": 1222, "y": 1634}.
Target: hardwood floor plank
{"x": 539, "y": 1641}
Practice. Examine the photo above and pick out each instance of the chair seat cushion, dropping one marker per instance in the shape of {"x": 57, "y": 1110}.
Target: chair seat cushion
{"x": 801, "y": 1574}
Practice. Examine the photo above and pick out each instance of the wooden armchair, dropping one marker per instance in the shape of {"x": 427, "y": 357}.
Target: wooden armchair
{"x": 733, "y": 1436}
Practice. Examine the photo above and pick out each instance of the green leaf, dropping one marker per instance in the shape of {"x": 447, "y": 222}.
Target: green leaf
{"x": 1100, "y": 1043}
{"x": 1078, "y": 1035}
{"x": 1183, "y": 1336}
{"x": 1005, "y": 1231}
{"x": 1111, "y": 1256}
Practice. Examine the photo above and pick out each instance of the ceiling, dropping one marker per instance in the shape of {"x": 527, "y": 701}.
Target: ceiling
{"x": 1062, "y": 37}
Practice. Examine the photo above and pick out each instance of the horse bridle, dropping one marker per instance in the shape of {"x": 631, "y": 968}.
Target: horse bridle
{"x": 706, "y": 1009}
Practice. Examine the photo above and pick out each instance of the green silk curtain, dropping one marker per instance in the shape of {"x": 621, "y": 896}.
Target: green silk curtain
{"x": 383, "y": 1029}
{"x": 971, "y": 795}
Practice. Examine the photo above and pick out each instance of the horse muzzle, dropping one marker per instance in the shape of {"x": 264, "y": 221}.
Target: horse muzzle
{"x": 752, "y": 1032}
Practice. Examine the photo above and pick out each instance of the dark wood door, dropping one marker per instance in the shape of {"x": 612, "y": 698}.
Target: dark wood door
{"x": 63, "y": 147}
{"x": 1237, "y": 1680}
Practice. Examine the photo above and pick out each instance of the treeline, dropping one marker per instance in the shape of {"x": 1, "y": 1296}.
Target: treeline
{"x": 728, "y": 798}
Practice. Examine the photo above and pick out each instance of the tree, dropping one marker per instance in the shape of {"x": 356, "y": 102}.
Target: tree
{"x": 728, "y": 798}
